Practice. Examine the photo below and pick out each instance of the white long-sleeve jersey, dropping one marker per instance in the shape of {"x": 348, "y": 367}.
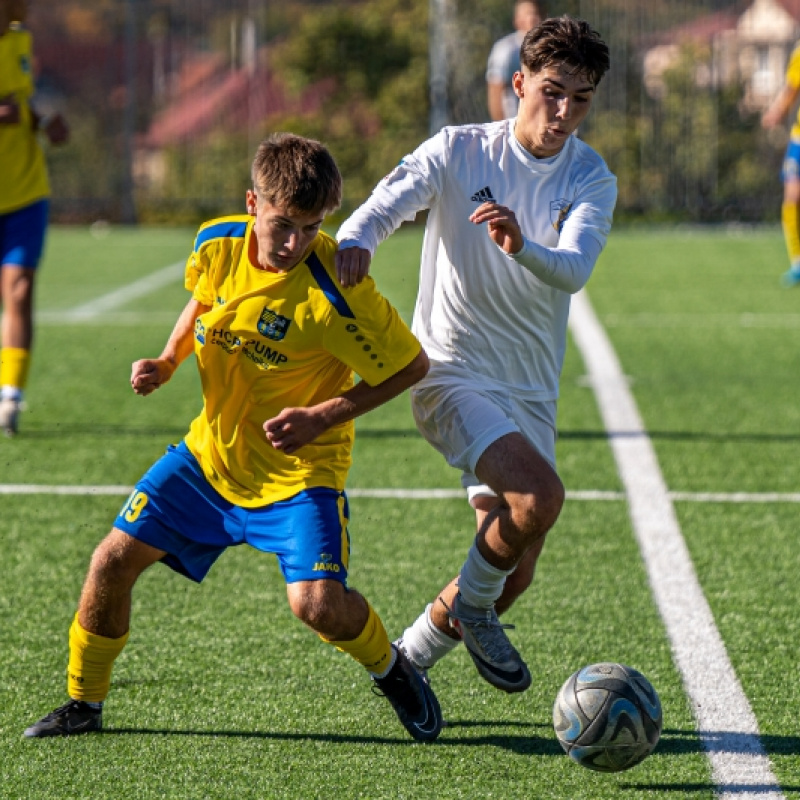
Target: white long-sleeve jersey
{"x": 503, "y": 318}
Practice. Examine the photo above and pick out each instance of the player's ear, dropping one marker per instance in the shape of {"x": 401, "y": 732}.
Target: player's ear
{"x": 517, "y": 83}
{"x": 250, "y": 202}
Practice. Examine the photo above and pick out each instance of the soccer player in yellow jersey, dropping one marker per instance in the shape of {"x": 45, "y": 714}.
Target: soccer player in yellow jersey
{"x": 24, "y": 190}
{"x": 790, "y": 209}
{"x": 277, "y": 343}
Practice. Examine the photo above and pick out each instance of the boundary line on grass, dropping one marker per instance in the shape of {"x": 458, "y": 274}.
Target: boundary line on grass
{"x": 432, "y": 494}
{"x": 119, "y": 297}
{"x": 726, "y": 724}
{"x": 427, "y": 494}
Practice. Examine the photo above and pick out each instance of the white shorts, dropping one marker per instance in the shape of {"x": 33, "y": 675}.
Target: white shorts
{"x": 461, "y": 415}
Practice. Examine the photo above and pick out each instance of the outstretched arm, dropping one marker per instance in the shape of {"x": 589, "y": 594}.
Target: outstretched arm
{"x": 295, "y": 427}
{"x": 780, "y": 106}
{"x": 148, "y": 374}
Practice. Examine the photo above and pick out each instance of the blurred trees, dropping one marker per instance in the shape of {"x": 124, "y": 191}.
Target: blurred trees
{"x": 373, "y": 59}
{"x": 690, "y": 153}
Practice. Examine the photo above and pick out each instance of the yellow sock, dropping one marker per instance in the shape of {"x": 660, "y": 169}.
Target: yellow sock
{"x": 790, "y": 219}
{"x": 371, "y": 648}
{"x": 14, "y": 365}
{"x": 91, "y": 658}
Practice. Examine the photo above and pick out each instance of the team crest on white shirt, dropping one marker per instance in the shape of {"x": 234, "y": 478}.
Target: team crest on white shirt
{"x": 272, "y": 325}
{"x": 559, "y": 209}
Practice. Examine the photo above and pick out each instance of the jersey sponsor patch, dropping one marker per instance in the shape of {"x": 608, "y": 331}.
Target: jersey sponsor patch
{"x": 272, "y": 325}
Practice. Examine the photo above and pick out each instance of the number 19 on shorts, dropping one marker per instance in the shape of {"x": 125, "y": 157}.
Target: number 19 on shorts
{"x": 134, "y": 506}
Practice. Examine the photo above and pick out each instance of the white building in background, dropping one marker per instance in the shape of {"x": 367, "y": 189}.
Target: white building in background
{"x": 751, "y": 48}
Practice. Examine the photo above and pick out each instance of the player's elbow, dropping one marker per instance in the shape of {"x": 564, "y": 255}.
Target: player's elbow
{"x": 419, "y": 367}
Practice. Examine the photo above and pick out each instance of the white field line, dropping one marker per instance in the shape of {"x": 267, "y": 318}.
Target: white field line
{"x": 726, "y": 724}
{"x": 690, "y": 320}
{"x": 422, "y": 494}
{"x": 119, "y": 297}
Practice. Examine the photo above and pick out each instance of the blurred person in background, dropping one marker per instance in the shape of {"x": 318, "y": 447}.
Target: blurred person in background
{"x": 519, "y": 212}
{"x": 24, "y": 192}
{"x": 504, "y": 60}
{"x": 790, "y": 208}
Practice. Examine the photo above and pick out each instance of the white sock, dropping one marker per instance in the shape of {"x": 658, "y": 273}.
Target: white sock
{"x": 480, "y": 583}
{"x": 424, "y": 643}
{"x": 10, "y": 393}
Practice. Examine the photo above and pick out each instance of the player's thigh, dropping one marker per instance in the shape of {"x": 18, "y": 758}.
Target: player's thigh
{"x": 512, "y": 465}
{"x": 308, "y": 534}
{"x": 458, "y": 416}
{"x": 173, "y": 508}
{"x": 16, "y": 287}
{"x": 120, "y": 558}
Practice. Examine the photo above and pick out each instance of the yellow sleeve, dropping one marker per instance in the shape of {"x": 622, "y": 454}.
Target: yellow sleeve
{"x": 198, "y": 266}
{"x": 375, "y": 342}
{"x": 196, "y": 277}
{"x": 793, "y": 69}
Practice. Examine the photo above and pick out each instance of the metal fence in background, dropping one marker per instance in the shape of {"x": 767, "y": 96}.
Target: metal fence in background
{"x": 167, "y": 99}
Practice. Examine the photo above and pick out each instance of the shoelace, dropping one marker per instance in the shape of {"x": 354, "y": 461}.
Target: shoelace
{"x": 497, "y": 648}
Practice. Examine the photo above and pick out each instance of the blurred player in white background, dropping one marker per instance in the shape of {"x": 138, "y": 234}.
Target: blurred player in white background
{"x": 504, "y": 61}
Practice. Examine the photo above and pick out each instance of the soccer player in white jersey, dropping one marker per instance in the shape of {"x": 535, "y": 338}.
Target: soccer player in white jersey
{"x": 277, "y": 343}
{"x": 519, "y": 211}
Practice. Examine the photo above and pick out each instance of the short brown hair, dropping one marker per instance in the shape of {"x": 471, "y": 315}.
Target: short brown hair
{"x": 564, "y": 40}
{"x": 296, "y": 174}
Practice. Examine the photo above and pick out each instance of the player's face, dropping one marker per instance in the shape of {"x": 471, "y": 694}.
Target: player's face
{"x": 552, "y": 105}
{"x": 526, "y": 16}
{"x": 282, "y": 238}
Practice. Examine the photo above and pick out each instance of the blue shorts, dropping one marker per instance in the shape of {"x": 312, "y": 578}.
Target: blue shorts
{"x": 22, "y": 235}
{"x": 174, "y": 508}
{"x": 791, "y": 161}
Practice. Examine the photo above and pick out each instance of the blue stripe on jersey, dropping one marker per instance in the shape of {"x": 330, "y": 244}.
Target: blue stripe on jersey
{"x": 329, "y": 288}
{"x": 222, "y": 230}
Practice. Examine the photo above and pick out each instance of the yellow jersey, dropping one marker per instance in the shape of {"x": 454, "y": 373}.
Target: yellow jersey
{"x": 22, "y": 164}
{"x": 276, "y": 340}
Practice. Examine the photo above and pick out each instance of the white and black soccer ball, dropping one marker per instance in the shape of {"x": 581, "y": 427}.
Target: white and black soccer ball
{"x": 607, "y": 717}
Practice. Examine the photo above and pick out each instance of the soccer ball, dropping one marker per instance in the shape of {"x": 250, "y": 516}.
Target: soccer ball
{"x": 607, "y": 717}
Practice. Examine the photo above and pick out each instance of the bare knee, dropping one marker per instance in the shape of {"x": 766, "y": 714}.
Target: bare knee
{"x": 116, "y": 563}
{"x": 328, "y": 608}
{"x": 308, "y": 604}
{"x": 112, "y": 562}
{"x": 534, "y": 512}
{"x": 791, "y": 192}
{"x": 18, "y": 289}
